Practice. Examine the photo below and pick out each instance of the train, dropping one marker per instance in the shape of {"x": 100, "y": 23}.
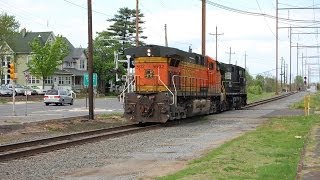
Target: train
{"x": 168, "y": 84}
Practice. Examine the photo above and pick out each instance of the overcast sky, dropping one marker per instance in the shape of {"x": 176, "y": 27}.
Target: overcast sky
{"x": 254, "y": 35}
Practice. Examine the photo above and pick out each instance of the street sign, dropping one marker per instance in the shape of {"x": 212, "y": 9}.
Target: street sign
{"x": 86, "y": 79}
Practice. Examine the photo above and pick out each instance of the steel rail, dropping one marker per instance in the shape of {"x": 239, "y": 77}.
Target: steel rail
{"x": 267, "y": 100}
{"x": 29, "y": 148}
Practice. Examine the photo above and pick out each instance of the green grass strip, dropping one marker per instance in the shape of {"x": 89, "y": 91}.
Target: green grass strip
{"x": 270, "y": 152}
{"x": 258, "y": 97}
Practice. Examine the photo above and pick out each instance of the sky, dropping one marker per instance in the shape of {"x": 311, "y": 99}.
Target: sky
{"x": 252, "y": 35}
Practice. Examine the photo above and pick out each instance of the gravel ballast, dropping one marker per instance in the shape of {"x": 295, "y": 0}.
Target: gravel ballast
{"x": 145, "y": 154}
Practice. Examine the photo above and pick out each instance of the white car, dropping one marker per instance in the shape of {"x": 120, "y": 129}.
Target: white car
{"x": 4, "y": 91}
{"x": 58, "y": 97}
{"x": 38, "y": 90}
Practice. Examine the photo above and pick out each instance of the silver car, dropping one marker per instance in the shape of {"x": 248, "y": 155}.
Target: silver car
{"x": 4, "y": 91}
{"x": 18, "y": 88}
{"x": 58, "y": 97}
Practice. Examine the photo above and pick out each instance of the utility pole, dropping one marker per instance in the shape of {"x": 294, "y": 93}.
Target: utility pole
{"x": 286, "y": 73}
{"x": 90, "y": 61}
{"x": 281, "y": 72}
{"x": 245, "y": 60}
{"x": 302, "y": 65}
{"x": 277, "y": 47}
{"x": 298, "y": 60}
{"x": 290, "y": 60}
{"x": 203, "y": 27}
{"x": 137, "y": 23}
{"x": 165, "y": 35}
{"x": 230, "y": 55}
{"x": 216, "y": 34}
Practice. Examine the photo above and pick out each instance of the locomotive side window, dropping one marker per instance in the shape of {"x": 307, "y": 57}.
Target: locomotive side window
{"x": 240, "y": 73}
{"x": 174, "y": 62}
{"x": 211, "y": 66}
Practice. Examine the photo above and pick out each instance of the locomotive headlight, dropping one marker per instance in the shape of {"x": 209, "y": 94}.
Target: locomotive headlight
{"x": 149, "y": 52}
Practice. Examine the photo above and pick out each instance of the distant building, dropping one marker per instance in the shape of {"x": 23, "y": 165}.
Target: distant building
{"x": 68, "y": 76}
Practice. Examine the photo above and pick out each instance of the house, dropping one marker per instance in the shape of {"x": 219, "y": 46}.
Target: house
{"x": 68, "y": 76}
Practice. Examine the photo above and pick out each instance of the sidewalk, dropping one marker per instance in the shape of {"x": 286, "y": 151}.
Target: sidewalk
{"x": 311, "y": 159}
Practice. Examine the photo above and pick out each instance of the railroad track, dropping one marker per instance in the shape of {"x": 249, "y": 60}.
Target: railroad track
{"x": 29, "y": 148}
{"x": 268, "y": 100}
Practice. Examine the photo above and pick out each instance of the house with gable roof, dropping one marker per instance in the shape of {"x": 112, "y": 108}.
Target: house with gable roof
{"x": 68, "y": 76}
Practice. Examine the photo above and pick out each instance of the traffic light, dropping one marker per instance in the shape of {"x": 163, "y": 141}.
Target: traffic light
{"x": 125, "y": 64}
{"x": 11, "y": 71}
{"x": 131, "y": 62}
{"x": 305, "y": 80}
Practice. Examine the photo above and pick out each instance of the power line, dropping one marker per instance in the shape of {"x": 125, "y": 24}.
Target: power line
{"x": 85, "y": 8}
{"x": 265, "y": 19}
{"x": 257, "y": 14}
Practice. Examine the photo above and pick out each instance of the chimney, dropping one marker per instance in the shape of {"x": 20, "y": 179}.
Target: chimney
{"x": 23, "y": 32}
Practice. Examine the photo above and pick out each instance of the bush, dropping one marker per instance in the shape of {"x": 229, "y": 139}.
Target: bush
{"x": 255, "y": 89}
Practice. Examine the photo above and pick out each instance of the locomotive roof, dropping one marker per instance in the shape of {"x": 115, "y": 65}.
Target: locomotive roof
{"x": 225, "y": 66}
{"x": 162, "y": 51}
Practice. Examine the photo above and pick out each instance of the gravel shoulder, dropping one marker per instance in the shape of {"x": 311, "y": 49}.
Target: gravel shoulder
{"x": 148, "y": 154}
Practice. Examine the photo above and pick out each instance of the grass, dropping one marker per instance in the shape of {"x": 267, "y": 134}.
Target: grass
{"x": 270, "y": 152}
{"x": 314, "y": 102}
{"x": 255, "y": 97}
{"x": 3, "y": 101}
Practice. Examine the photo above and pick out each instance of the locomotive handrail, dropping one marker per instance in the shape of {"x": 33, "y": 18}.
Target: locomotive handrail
{"x": 174, "y": 86}
{"x": 173, "y": 95}
{"x": 121, "y": 96}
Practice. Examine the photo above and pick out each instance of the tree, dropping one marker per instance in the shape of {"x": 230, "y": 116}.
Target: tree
{"x": 249, "y": 79}
{"x": 8, "y": 27}
{"x": 299, "y": 81}
{"x": 124, "y": 27}
{"x": 46, "y": 58}
{"x": 260, "y": 82}
{"x": 103, "y": 57}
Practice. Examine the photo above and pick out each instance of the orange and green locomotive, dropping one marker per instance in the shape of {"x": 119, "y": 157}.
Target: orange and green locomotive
{"x": 168, "y": 83}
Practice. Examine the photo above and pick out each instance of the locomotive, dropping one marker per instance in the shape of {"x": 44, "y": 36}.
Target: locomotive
{"x": 168, "y": 83}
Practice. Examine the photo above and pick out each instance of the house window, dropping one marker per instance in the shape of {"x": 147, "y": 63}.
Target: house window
{"x": 48, "y": 80}
{"x": 68, "y": 80}
{"x": 61, "y": 80}
{"x": 33, "y": 80}
{"x": 68, "y": 64}
{"x": 29, "y": 58}
{"x": 81, "y": 63}
{"x": 5, "y": 61}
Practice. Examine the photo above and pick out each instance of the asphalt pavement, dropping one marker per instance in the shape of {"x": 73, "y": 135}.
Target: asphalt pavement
{"x": 23, "y": 112}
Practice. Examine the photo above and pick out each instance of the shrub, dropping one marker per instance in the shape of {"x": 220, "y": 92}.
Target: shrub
{"x": 254, "y": 89}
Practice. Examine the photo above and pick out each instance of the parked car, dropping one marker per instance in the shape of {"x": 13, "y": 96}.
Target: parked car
{"x": 4, "y": 91}
{"x": 18, "y": 89}
{"x": 30, "y": 90}
{"x": 39, "y": 90}
{"x": 58, "y": 97}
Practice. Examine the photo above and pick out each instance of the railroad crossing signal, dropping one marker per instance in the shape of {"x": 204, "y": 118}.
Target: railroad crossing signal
{"x": 11, "y": 71}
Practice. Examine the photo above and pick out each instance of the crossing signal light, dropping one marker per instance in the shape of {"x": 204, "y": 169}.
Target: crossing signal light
{"x": 131, "y": 62}
{"x": 11, "y": 71}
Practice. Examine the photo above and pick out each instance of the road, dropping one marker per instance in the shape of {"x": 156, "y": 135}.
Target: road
{"x": 37, "y": 111}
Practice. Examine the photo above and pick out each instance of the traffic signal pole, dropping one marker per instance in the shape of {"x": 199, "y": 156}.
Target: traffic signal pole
{"x": 12, "y": 74}
{"x": 13, "y": 98}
